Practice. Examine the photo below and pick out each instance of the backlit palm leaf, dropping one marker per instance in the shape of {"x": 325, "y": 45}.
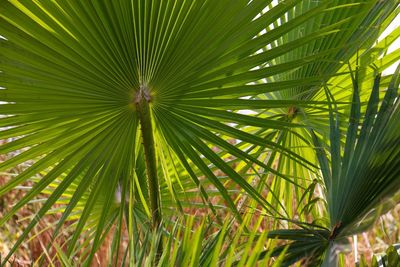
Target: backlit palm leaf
{"x": 358, "y": 50}
{"x": 82, "y": 77}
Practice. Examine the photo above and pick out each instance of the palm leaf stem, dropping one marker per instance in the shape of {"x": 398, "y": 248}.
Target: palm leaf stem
{"x": 142, "y": 103}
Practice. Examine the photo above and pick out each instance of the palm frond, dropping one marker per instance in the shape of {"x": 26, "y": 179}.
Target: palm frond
{"x": 86, "y": 82}
{"x": 358, "y": 176}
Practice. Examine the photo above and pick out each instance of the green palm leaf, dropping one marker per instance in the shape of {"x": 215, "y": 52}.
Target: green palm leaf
{"x": 363, "y": 52}
{"x": 359, "y": 177}
{"x": 86, "y": 82}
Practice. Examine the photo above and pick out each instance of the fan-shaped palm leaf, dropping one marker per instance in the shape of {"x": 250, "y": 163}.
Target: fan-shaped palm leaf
{"x": 81, "y": 78}
{"x": 358, "y": 177}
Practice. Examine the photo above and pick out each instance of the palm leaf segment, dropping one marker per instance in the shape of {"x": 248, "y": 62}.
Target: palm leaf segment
{"x": 71, "y": 73}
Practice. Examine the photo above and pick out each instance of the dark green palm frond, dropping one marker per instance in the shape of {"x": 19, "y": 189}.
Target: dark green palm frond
{"x": 307, "y": 245}
{"x": 369, "y": 167}
{"x": 359, "y": 176}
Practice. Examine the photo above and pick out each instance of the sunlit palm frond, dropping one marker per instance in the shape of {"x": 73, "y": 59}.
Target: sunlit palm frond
{"x": 86, "y": 82}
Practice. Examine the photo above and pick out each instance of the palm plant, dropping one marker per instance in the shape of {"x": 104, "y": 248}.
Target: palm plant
{"x": 131, "y": 112}
{"x": 359, "y": 178}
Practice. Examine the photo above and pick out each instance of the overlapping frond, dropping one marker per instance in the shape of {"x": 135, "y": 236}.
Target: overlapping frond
{"x": 359, "y": 175}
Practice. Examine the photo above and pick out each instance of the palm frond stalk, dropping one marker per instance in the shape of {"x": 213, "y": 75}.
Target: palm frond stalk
{"x": 142, "y": 103}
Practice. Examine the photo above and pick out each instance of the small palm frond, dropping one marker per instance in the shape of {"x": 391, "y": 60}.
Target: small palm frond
{"x": 358, "y": 177}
